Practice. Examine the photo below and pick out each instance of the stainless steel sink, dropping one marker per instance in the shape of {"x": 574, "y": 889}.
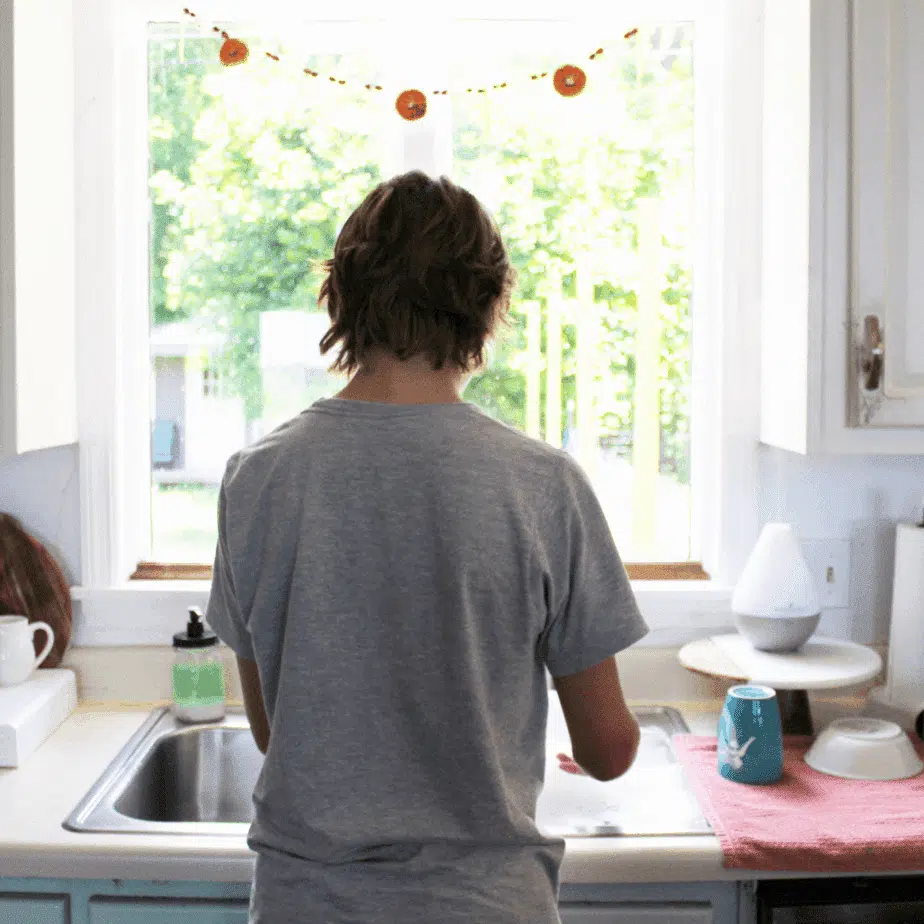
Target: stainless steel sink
{"x": 652, "y": 800}
{"x": 173, "y": 778}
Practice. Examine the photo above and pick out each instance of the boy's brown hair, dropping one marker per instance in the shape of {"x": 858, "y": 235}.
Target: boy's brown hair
{"x": 418, "y": 268}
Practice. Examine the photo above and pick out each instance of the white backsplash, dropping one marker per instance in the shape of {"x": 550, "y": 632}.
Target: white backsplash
{"x": 141, "y": 676}
{"x": 854, "y": 498}
{"x": 858, "y": 499}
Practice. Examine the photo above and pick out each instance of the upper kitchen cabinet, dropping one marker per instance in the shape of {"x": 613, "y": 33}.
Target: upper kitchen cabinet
{"x": 842, "y": 321}
{"x": 888, "y": 213}
{"x": 37, "y": 226}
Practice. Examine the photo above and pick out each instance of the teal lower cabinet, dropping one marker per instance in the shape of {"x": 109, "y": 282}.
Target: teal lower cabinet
{"x": 33, "y": 909}
{"x": 121, "y": 901}
{"x": 155, "y": 911}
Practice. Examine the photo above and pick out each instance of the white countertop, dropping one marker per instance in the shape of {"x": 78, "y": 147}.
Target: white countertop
{"x": 37, "y": 797}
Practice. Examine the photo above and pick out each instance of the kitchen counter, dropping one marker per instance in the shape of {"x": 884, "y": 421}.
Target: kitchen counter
{"x": 36, "y": 798}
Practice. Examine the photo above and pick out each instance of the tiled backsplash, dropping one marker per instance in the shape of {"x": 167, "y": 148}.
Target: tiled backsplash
{"x": 855, "y": 498}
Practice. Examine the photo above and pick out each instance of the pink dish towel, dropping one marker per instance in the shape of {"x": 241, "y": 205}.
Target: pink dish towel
{"x": 808, "y": 821}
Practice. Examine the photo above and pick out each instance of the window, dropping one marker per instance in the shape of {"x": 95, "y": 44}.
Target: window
{"x": 211, "y": 381}
{"x": 253, "y": 169}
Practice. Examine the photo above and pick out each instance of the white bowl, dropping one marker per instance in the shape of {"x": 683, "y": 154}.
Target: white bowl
{"x": 777, "y": 633}
{"x": 864, "y": 749}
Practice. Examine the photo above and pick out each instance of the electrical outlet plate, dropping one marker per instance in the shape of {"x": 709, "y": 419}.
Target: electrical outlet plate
{"x": 829, "y": 562}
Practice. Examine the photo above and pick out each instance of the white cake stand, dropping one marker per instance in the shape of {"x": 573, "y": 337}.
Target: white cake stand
{"x": 821, "y": 664}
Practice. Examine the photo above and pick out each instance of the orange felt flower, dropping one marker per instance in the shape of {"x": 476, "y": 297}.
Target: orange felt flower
{"x": 411, "y": 105}
{"x": 233, "y": 51}
{"x": 569, "y": 80}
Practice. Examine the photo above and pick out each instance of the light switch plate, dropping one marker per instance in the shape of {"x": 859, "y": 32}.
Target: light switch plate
{"x": 829, "y": 562}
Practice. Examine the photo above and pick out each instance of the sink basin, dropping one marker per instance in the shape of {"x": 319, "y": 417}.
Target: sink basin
{"x": 173, "y": 778}
{"x": 652, "y": 799}
{"x": 206, "y": 775}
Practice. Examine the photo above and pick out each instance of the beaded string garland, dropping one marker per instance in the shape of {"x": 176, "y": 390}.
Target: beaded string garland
{"x": 411, "y": 104}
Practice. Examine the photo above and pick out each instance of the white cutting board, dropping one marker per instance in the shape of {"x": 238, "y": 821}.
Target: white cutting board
{"x": 31, "y": 711}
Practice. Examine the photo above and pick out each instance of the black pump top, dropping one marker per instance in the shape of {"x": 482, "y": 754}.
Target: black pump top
{"x": 196, "y": 635}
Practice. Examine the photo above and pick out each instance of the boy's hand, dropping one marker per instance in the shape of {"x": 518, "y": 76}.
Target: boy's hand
{"x": 569, "y": 765}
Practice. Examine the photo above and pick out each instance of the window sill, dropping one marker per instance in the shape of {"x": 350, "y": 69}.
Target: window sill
{"x": 149, "y": 612}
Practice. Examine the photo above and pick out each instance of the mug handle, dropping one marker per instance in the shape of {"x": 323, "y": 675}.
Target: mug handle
{"x": 35, "y": 626}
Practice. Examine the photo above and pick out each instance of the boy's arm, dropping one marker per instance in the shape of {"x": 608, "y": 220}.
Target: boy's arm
{"x": 604, "y": 733}
{"x": 253, "y": 702}
{"x": 229, "y": 624}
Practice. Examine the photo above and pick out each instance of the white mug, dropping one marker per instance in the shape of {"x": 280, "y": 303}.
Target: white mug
{"x": 17, "y": 655}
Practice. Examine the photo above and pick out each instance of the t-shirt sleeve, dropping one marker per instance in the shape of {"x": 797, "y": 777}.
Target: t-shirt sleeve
{"x": 224, "y": 613}
{"x": 593, "y": 611}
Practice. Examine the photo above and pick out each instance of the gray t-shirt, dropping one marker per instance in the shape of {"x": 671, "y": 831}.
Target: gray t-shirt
{"x": 403, "y": 576}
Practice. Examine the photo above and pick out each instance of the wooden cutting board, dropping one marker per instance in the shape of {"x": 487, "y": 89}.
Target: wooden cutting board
{"x": 32, "y": 584}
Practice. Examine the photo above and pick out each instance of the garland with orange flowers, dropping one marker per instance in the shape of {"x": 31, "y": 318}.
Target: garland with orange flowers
{"x": 567, "y": 80}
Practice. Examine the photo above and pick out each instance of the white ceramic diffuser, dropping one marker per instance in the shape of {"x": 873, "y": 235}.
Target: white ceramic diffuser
{"x": 775, "y": 602}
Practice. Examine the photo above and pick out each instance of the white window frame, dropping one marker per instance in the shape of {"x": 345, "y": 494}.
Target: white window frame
{"x": 114, "y": 350}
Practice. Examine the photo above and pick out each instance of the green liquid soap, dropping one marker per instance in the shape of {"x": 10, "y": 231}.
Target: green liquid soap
{"x": 199, "y": 684}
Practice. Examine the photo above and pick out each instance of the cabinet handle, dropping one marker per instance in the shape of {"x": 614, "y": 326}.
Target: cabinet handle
{"x": 872, "y": 353}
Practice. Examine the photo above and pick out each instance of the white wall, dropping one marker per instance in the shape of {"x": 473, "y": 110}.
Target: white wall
{"x": 854, "y": 498}
{"x": 858, "y": 499}
{"x": 41, "y": 490}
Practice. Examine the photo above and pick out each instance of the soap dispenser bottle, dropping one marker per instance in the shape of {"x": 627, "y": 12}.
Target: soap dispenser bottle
{"x": 198, "y": 673}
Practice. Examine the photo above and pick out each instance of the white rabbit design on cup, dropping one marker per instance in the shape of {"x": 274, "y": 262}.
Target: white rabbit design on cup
{"x": 733, "y": 752}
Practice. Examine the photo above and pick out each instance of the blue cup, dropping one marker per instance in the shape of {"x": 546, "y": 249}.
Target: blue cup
{"x": 750, "y": 740}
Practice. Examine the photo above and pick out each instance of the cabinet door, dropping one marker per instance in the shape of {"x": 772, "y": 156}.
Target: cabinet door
{"x": 888, "y": 214}
{"x": 655, "y": 913}
{"x": 26, "y": 909}
{"x": 165, "y": 911}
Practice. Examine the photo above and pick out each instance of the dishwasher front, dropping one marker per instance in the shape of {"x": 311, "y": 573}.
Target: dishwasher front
{"x": 842, "y": 900}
